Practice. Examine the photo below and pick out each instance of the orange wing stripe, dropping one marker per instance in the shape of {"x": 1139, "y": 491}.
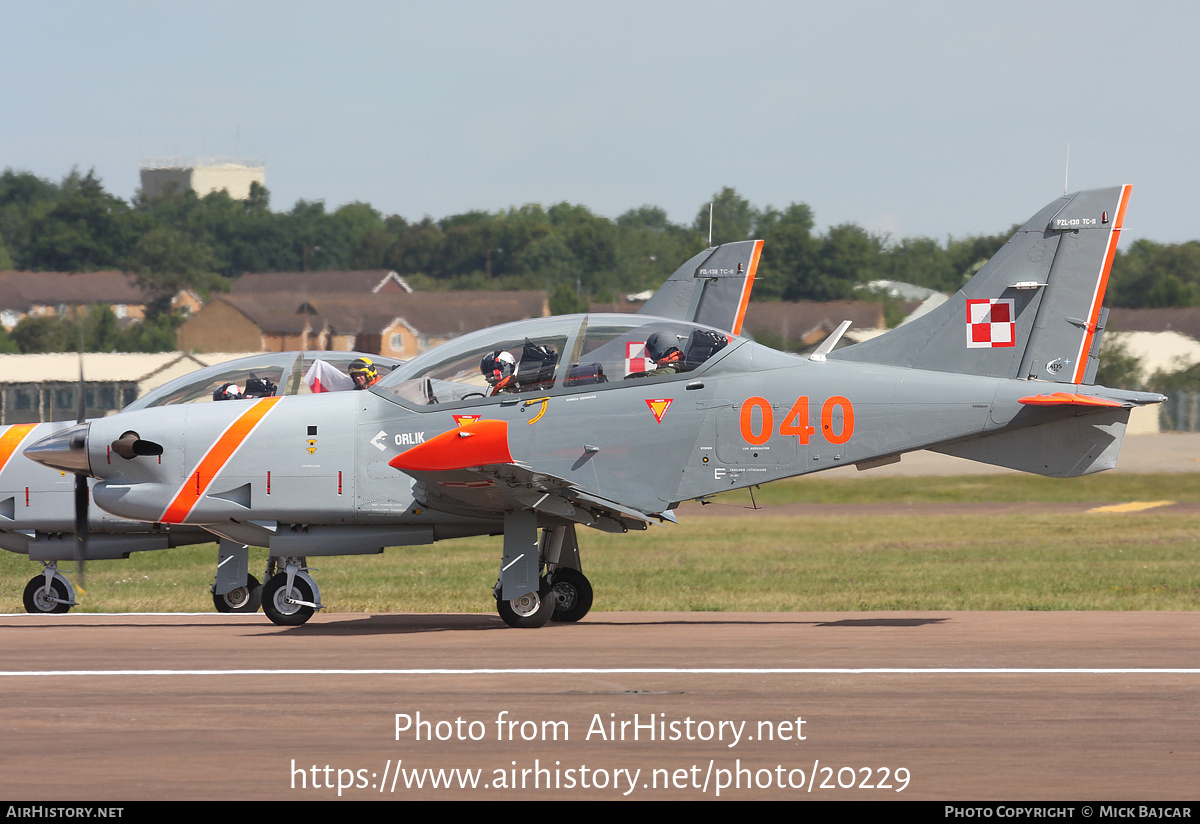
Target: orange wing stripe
{"x": 741, "y": 314}
{"x": 11, "y": 439}
{"x": 213, "y": 462}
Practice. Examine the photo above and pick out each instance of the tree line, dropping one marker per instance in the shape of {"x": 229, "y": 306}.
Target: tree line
{"x": 181, "y": 240}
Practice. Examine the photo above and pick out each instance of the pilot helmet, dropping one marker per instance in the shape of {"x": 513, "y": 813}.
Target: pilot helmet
{"x": 365, "y": 367}
{"x": 659, "y": 345}
{"x": 227, "y": 392}
{"x": 259, "y": 388}
{"x": 497, "y": 365}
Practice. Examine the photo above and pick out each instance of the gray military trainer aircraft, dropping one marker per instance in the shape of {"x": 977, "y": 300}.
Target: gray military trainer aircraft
{"x": 610, "y": 421}
{"x": 36, "y": 501}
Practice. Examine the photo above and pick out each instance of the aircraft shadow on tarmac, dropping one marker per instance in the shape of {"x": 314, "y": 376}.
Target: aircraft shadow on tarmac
{"x": 413, "y": 623}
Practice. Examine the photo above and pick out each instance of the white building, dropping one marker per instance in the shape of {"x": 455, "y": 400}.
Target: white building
{"x": 160, "y": 177}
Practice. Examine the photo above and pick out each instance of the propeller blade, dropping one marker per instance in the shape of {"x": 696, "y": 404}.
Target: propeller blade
{"x": 81, "y": 403}
{"x": 81, "y": 484}
{"x": 81, "y": 525}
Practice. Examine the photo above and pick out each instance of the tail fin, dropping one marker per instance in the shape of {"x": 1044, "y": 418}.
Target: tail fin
{"x": 1033, "y": 311}
{"x": 712, "y": 288}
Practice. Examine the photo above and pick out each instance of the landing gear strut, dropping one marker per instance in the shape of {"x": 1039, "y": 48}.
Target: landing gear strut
{"x": 562, "y": 594}
{"x": 235, "y": 589}
{"x": 49, "y": 593}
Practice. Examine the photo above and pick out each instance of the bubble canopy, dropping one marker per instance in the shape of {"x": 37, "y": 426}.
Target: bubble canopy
{"x": 284, "y": 370}
{"x": 550, "y": 355}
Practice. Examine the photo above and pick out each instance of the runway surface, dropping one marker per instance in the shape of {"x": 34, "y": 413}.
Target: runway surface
{"x": 1001, "y": 706}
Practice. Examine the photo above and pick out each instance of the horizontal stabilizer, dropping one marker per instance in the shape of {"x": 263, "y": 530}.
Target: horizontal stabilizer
{"x": 1068, "y": 399}
{"x": 1064, "y": 448}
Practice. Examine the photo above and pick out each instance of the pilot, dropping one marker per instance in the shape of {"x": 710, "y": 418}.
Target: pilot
{"x": 499, "y": 368}
{"x": 662, "y": 349}
{"x": 228, "y": 392}
{"x": 362, "y": 372}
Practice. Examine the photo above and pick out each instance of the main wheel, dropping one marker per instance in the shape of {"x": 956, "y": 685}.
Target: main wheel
{"x": 531, "y": 610}
{"x": 276, "y": 606}
{"x": 572, "y": 595}
{"x": 37, "y": 600}
{"x": 246, "y": 598}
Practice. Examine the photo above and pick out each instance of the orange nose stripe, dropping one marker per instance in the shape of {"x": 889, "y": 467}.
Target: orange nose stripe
{"x": 214, "y": 461}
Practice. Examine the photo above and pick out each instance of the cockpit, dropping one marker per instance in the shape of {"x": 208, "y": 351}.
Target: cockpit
{"x": 544, "y": 355}
{"x": 265, "y": 375}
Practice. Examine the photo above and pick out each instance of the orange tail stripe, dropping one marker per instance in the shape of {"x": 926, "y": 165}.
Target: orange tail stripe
{"x": 741, "y": 314}
{"x": 1102, "y": 286}
{"x": 214, "y": 461}
{"x": 11, "y": 439}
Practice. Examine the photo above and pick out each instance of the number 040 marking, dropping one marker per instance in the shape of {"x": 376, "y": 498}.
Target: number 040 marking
{"x": 796, "y": 422}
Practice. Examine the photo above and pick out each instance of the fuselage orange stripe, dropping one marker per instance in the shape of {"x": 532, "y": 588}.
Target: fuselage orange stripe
{"x": 11, "y": 439}
{"x": 214, "y": 461}
{"x": 741, "y": 314}
{"x": 1102, "y": 286}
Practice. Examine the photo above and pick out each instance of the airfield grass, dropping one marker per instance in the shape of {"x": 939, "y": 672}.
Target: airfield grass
{"x": 838, "y": 560}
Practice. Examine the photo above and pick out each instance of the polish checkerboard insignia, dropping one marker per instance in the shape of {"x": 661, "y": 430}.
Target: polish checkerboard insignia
{"x": 636, "y": 359}
{"x": 991, "y": 323}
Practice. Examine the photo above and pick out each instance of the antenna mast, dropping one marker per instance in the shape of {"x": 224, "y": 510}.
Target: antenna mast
{"x": 710, "y": 213}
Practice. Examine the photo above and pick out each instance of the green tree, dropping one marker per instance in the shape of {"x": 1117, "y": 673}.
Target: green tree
{"x": 1153, "y": 274}
{"x": 789, "y": 252}
{"x": 1119, "y": 368}
{"x": 167, "y": 260}
{"x": 85, "y": 230}
{"x": 41, "y": 334}
{"x": 8, "y": 346}
{"x": 847, "y": 256}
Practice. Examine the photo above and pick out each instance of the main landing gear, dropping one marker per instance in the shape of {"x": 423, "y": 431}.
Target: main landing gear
{"x": 49, "y": 593}
{"x": 291, "y": 596}
{"x": 572, "y": 595}
{"x": 563, "y": 593}
{"x": 528, "y": 611}
{"x": 235, "y": 589}
{"x": 246, "y": 598}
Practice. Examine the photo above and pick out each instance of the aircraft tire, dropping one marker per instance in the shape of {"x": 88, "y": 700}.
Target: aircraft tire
{"x": 35, "y": 597}
{"x": 572, "y": 593}
{"x": 244, "y": 599}
{"x": 527, "y": 612}
{"x": 276, "y": 607}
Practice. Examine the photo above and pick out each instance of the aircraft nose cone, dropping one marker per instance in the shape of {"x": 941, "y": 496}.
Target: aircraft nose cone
{"x": 66, "y": 449}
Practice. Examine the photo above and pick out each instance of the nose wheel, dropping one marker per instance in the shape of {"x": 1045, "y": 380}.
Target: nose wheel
{"x": 48, "y": 594}
{"x": 294, "y": 605}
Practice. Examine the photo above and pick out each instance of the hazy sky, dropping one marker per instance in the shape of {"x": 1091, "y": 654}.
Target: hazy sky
{"x": 914, "y": 118}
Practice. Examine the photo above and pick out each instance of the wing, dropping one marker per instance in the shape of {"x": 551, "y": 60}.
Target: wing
{"x": 470, "y": 470}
